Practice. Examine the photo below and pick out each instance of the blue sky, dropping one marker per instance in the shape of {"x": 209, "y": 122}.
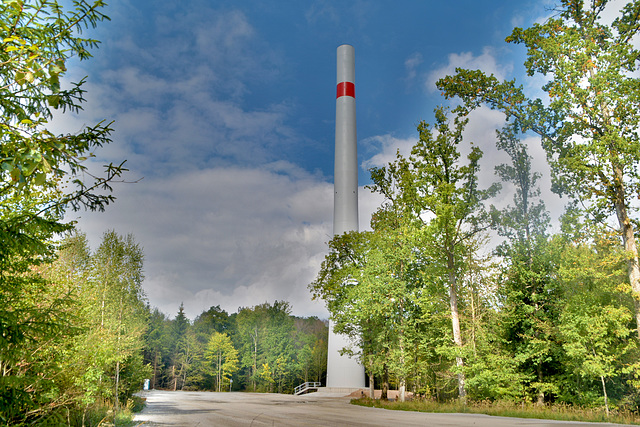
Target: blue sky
{"x": 225, "y": 113}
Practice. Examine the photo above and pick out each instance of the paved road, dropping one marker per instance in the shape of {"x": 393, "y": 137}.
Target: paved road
{"x": 203, "y": 409}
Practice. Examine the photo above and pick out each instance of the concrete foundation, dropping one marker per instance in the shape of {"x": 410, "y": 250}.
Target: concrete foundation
{"x": 342, "y": 391}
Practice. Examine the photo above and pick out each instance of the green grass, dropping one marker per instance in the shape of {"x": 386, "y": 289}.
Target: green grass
{"x": 101, "y": 414}
{"x": 509, "y": 409}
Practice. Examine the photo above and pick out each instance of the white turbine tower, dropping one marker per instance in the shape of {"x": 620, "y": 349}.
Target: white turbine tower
{"x": 343, "y": 371}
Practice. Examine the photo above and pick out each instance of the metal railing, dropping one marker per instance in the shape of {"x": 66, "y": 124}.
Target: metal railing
{"x": 305, "y": 387}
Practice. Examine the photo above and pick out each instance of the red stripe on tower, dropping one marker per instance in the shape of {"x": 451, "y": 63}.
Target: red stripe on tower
{"x": 346, "y": 89}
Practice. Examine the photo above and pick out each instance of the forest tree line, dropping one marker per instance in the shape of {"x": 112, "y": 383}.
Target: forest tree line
{"x": 89, "y": 339}
{"x": 262, "y": 348}
{"x": 451, "y": 297}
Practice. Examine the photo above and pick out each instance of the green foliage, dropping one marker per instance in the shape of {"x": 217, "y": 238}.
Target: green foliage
{"x": 531, "y": 295}
{"x": 37, "y": 40}
{"x": 266, "y": 337}
{"x": 545, "y": 318}
{"x": 39, "y": 319}
{"x": 222, "y": 357}
{"x": 87, "y": 350}
{"x": 589, "y": 121}
{"x": 275, "y": 351}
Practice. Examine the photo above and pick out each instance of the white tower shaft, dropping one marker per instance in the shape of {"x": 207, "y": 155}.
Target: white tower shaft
{"x": 343, "y": 371}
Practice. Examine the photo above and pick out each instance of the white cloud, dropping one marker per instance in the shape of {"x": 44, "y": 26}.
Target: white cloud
{"x": 386, "y": 147}
{"x": 411, "y": 65}
{"x": 228, "y": 236}
{"x": 220, "y": 220}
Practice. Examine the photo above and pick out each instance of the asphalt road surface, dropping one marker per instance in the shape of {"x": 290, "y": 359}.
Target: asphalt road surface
{"x": 203, "y": 409}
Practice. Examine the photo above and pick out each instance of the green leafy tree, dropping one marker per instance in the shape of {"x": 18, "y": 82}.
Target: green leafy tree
{"x": 319, "y": 359}
{"x": 311, "y": 336}
{"x": 222, "y": 357}
{"x": 589, "y": 123}
{"x": 37, "y": 39}
{"x": 279, "y": 343}
{"x": 213, "y": 320}
{"x": 441, "y": 194}
{"x": 80, "y": 380}
{"x": 182, "y": 351}
{"x": 596, "y": 321}
{"x": 351, "y": 297}
{"x": 155, "y": 344}
{"x": 118, "y": 313}
{"x": 36, "y": 319}
{"x": 531, "y": 298}
{"x": 251, "y": 331}
{"x": 265, "y": 333}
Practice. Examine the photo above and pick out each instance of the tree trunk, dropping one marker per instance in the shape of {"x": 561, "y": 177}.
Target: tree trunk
{"x": 117, "y": 405}
{"x": 184, "y": 376}
{"x": 455, "y": 323}
{"x": 629, "y": 240}
{"x": 175, "y": 379}
{"x": 606, "y": 399}
{"x": 155, "y": 370}
{"x": 372, "y": 388}
{"x": 473, "y": 322}
{"x": 385, "y": 383}
{"x": 220, "y": 371}
{"x": 540, "y": 401}
{"x": 403, "y": 378}
{"x": 255, "y": 357}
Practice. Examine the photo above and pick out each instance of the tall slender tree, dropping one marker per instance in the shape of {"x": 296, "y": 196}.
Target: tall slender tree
{"x": 120, "y": 314}
{"x": 530, "y": 312}
{"x": 223, "y": 358}
{"x": 441, "y": 194}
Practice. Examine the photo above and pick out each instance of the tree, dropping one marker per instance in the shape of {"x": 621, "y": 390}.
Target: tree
{"x": 311, "y": 345}
{"x": 36, "y": 319}
{"x": 441, "y": 194}
{"x": 589, "y": 124}
{"x": 251, "y": 330}
{"x": 118, "y": 312}
{"x": 596, "y": 320}
{"x": 156, "y": 343}
{"x": 192, "y": 351}
{"x": 182, "y": 347}
{"x": 358, "y": 306}
{"x": 265, "y": 333}
{"x": 279, "y": 343}
{"x": 530, "y": 294}
{"x": 37, "y": 40}
{"x": 222, "y": 357}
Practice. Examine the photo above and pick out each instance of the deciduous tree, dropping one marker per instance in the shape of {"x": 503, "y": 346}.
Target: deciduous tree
{"x": 441, "y": 193}
{"x": 222, "y": 357}
{"x": 589, "y": 122}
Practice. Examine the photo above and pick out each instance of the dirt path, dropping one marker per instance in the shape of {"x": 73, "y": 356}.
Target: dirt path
{"x": 165, "y": 408}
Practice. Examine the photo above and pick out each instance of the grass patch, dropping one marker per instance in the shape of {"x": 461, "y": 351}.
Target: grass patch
{"x": 101, "y": 414}
{"x": 136, "y": 403}
{"x": 509, "y": 409}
